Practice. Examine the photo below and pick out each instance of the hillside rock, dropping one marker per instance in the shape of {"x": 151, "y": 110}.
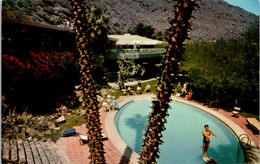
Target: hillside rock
{"x": 215, "y": 19}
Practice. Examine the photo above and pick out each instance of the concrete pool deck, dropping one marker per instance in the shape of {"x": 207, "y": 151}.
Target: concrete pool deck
{"x": 118, "y": 152}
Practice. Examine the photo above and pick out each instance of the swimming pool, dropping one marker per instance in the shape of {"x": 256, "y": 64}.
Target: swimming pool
{"x": 183, "y": 135}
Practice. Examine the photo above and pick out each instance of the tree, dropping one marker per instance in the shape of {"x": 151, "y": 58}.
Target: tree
{"x": 159, "y": 36}
{"x": 84, "y": 38}
{"x": 178, "y": 33}
{"x": 227, "y": 70}
{"x": 143, "y": 30}
{"x": 97, "y": 32}
{"x": 128, "y": 68}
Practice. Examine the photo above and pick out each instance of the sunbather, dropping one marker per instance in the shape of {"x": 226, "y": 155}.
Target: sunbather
{"x": 179, "y": 88}
{"x": 147, "y": 88}
{"x": 109, "y": 98}
{"x": 139, "y": 90}
{"x": 188, "y": 96}
{"x": 114, "y": 106}
{"x": 106, "y": 105}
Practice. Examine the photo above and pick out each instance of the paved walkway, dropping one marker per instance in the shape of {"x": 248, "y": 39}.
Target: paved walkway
{"x": 31, "y": 151}
{"x": 117, "y": 153}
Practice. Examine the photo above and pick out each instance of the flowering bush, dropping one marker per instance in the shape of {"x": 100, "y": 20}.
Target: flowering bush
{"x": 36, "y": 66}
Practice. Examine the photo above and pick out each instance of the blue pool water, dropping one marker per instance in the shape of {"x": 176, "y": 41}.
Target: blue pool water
{"x": 183, "y": 135}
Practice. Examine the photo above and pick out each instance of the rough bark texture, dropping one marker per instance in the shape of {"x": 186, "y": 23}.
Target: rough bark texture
{"x": 90, "y": 91}
{"x": 179, "y": 29}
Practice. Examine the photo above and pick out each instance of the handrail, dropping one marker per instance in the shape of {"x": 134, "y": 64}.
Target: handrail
{"x": 40, "y": 128}
{"x": 240, "y": 138}
{"x": 242, "y": 135}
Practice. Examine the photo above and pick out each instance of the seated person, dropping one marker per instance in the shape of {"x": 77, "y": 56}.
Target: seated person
{"x": 179, "y": 88}
{"x": 147, "y": 88}
{"x": 99, "y": 98}
{"x": 114, "y": 106}
{"x": 130, "y": 91}
{"x": 188, "y": 96}
{"x": 109, "y": 98}
{"x": 139, "y": 90}
{"x": 128, "y": 88}
{"x": 106, "y": 105}
{"x": 184, "y": 89}
{"x": 124, "y": 89}
{"x": 214, "y": 103}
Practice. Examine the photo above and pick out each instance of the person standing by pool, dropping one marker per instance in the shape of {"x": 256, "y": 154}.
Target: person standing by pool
{"x": 206, "y": 141}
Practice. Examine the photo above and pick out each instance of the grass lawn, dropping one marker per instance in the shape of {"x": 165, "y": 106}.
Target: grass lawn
{"x": 247, "y": 115}
{"x": 71, "y": 121}
{"x": 153, "y": 83}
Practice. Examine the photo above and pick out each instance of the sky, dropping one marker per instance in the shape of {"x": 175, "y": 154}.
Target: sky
{"x": 248, "y": 5}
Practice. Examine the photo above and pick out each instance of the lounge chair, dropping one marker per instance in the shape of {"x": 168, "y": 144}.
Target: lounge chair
{"x": 236, "y": 112}
{"x": 253, "y": 124}
{"x": 69, "y": 132}
{"x": 83, "y": 138}
{"x": 124, "y": 91}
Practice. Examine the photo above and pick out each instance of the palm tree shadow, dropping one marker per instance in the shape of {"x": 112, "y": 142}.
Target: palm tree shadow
{"x": 126, "y": 156}
{"x": 138, "y": 123}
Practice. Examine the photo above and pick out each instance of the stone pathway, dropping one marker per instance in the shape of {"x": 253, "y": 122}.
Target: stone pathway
{"x": 31, "y": 151}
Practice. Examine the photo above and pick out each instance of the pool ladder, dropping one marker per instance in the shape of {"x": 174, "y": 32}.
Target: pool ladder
{"x": 242, "y": 137}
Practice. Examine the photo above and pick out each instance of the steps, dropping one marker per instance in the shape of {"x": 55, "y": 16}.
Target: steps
{"x": 31, "y": 151}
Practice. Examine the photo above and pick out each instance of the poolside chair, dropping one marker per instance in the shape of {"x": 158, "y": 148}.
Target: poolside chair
{"x": 69, "y": 133}
{"x": 253, "y": 124}
{"x": 124, "y": 91}
{"x": 83, "y": 138}
{"x": 236, "y": 112}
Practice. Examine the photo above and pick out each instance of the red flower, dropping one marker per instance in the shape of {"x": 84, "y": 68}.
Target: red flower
{"x": 11, "y": 58}
{"x": 23, "y": 29}
{"x": 15, "y": 79}
{"x": 28, "y": 64}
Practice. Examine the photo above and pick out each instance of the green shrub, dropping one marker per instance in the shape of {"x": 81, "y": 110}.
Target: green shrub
{"x": 225, "y": 70}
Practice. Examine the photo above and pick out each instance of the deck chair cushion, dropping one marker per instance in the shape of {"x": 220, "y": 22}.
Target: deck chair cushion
{"x": 253, "y": 123}
{"x": 236, "y": 111}
{"x": 69, "y": 132}
{"x": 84, "y": 138}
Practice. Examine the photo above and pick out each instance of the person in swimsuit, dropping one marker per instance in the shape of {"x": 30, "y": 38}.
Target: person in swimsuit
{"x": 206, "y": 141}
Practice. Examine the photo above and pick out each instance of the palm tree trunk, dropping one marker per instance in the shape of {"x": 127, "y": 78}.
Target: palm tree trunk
{"x": 178, "y": 33}
{"x": 90, "y": 91}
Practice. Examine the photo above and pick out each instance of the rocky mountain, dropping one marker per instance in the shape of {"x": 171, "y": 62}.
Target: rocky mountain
{"x": 215, "y": 19}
